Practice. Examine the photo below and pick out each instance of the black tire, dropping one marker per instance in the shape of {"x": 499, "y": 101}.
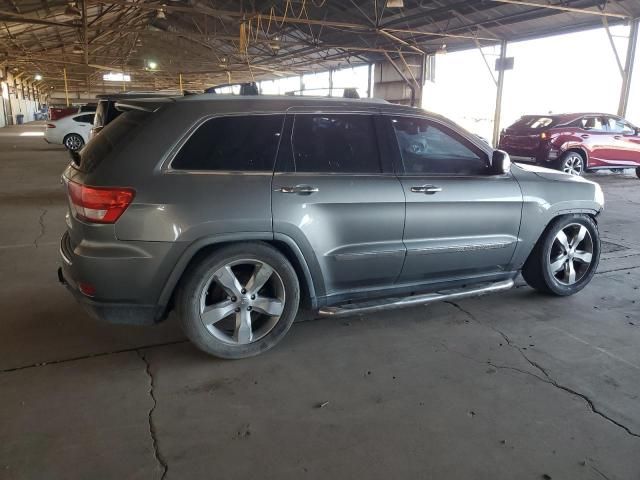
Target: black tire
{"x": 73, "y": 142}
{"x": 638, "y": 172}
{"x": 572, "y": 162}
{"x": 191, "y": 295}
{"x": 537, "y": 270}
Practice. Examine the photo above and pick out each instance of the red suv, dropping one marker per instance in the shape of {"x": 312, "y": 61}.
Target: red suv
{"x": 574, "y": 142}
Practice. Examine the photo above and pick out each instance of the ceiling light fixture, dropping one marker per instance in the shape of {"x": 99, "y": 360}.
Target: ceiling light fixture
{"x": 160, "y": 15}
{"x": 37, "y": 77}
{"x": 152, "y": 65}
{"x": 395, "y": 3}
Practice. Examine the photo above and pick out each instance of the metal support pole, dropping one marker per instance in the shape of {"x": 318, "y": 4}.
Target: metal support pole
{"x": 628, "y": 67}
{"x": 369, "y": 85}
{"x": 66, "y": 86}
{"x": 180, "y": 80}
{"x": 331, "y": 82}
{"x": 500, "y": 85}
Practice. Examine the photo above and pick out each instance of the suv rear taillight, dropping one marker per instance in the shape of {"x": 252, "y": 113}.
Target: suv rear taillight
{"x": 99, "y": 204}
{"x": 544, "y": 135}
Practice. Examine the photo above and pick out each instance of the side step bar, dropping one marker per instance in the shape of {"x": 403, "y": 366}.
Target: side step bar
{"x": 392, "y": 303}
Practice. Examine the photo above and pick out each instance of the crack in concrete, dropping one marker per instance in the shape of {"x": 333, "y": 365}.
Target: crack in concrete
{"x": 90, "y": 355}
{"x": 43, "y": 228}
{"x": 599, "y": 272}
{"x": 547, "y": 378}
{"x": 152, "y": 428}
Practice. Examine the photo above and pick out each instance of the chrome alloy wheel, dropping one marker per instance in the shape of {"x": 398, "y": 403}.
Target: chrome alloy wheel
{"x": 73, "y": 142}
{"x": 573, "y": 164}
{"x": 571, "y": 254}
{"x": 242, "y": 301}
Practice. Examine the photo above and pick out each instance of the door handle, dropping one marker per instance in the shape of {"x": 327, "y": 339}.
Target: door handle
{"x": 617, "y": 137}
{"x": 298, "y": 189}
{"x": 585, "y": 136}
{"x": 426, "y": 189}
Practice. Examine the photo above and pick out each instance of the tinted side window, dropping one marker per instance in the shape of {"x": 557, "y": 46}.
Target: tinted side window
{"x": 243, "y": 143}
{"x": 428, "y": 148}
{"x": 84, "y": 118}
{"x": 335, "y": 143}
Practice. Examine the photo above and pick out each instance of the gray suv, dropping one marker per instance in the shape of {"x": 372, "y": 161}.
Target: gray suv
{"x": 233, "y": 211}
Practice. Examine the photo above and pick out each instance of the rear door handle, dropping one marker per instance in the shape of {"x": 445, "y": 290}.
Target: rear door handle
{"x": 426, "y": 189}
{"x": 617, "y": 137}
{"x": 298, "y": 189}
{"x": 585, "y": 136}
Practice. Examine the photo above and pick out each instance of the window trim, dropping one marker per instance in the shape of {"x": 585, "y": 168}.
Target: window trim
{"x": 397, "y": 154}
{"x": 167, "y": 165}
{"x": 373, "y": 115}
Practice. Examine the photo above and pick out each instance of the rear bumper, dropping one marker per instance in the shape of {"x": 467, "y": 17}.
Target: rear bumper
{"x": 121, "y": 313}
{"x": 101, "y": 273}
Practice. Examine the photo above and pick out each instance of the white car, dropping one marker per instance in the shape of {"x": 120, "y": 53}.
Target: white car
{"x": 71, "y": 131}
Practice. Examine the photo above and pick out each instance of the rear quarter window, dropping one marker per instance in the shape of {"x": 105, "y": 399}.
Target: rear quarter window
{"x": 112, "y": 138}
{"x": 237, "y": 143}
{"x": 534, "y": 122}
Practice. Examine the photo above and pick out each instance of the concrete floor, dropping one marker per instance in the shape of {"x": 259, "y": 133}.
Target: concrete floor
{"x": 513, "y": 386}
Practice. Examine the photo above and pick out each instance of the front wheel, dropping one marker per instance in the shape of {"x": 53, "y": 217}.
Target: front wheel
{"x": 572, "y": 163}
{"x": 565, "y": 258}
{"x": 73, "y": 142}
{"x": 239, "y": 301}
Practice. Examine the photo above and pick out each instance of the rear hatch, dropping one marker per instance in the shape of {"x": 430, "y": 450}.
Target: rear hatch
{"x": 524, "y": 137}
{"x": 96, "y": 199}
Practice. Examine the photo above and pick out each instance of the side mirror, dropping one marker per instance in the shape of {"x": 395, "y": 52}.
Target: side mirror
{"x": 500, "y": 162}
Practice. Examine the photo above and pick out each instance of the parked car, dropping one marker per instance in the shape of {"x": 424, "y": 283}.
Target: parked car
{"x": 574, "y": 143}
{"x": 71, "y": 131}
{"x": 56, "y": 113}
{"x": 234, "y": 210}
{"x": 106, "y": 111}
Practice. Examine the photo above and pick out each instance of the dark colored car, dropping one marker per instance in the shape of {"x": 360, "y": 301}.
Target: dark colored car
{"x": 575, "y": 142}
{"x": 233, "y": 210}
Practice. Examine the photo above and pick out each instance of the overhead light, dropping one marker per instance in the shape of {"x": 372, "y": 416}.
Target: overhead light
{"x": 77, "y": 49}
{"x": 443, "y": 49}
{"x": 72, "y": 10}
{"x": 116, "y": 77}
{"x": 152, "y": 65}
{"x": 37, "y": 77}
{"x": 160, "y": 15}
{"x": 395, "y": 3}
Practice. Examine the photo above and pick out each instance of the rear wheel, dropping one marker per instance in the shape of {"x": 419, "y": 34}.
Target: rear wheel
{"x": 572, "y": 163}
{"x": 73, "y": 142}
{"x": 638, "y": 172}
{"x": 565, "y": 258}
{"x": 239, "y": 301}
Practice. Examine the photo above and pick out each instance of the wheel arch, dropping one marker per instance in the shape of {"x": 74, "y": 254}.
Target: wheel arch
{"x": 579, "y": 150}
{"x": 205, "y": 246}
{"x": 521, "y": 254}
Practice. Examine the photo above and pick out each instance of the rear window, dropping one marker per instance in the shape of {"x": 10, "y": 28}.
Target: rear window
{"x": 239, "y": 143}
{"x": 112, "y": 137}
{"x": 534, "y": 122}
